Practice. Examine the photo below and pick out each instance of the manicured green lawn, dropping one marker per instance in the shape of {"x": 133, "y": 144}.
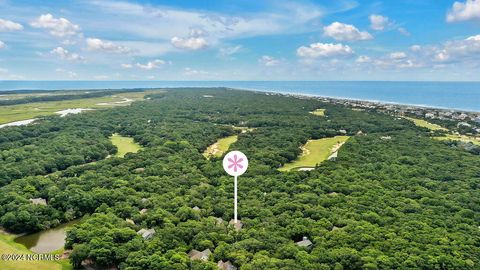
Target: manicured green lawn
{"x": 220, "y": 147}
{"x": 425, "y": 124}
{"x": 314, "y": 152}
{"x": 8, "y": 246}
{"x": 124, "y": 145}
{"x": 463, "y": 138}
{"x": 319, "y": 112}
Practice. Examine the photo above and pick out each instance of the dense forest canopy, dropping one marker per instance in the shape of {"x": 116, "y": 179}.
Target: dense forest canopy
{"x": 406, "y": 202}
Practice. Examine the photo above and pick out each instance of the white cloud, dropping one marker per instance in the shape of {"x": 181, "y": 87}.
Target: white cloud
{"x": 194, "y": 72}
{"x": 96, "y": 44}
{"x": 69, "y": 42}
{"x": 126, "y": 66}
{"x": 66, "y": 55}
{"x": 415, "y": 48}
{"x": 133, "y": 19}
{"x": 378, "y": 22}
{"x": 2, "y": 45}
{"x": 70, "y": 74}
{"x": 459, "y": 50}
{"x": 194, "y": 41}
{"x": 455, "y": 53}
{"x": 7, "y": 26}
{"x": 191, "y": 43}
{"x": 469, "y": 10}
{"x": 151, "y": 64}
{"x": 229, "y": 51}
{"x": 363, "y": 59}
{"x": 57, "y": 27}
{"x": 324, "y": 50}
{"x": 398, "y": 55}
{"x": 403, "y": 31}
{"x": 345, "y": 32}
{"x": 268, "y": 61}
{"x": 6, "y": 75}
{"x": 101, "y": 77}
{"x": 474, "y": 38}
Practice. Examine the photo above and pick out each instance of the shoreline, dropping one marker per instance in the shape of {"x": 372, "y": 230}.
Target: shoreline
{"x": 445, "y": 95}
{"x": 289, "y": 93}
{"x": 377, "y": 102}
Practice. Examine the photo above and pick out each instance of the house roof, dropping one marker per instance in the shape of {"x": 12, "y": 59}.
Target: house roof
{"x": 304, "y": 243}
{"x": 226, "y": 265}
{"x": 199, "y": 255}
{"x": 146, "y": 234}
{"x": 39, "y": 201}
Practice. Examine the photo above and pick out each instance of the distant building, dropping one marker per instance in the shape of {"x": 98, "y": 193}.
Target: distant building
{"x": 196, "y": 208}
{"x": 143, "y": 211}
{"x": 386, "y": 137}
{"x": 39, "y": 201}
{"x": 146, "y": 234}
{"x": 429, "y": 115}
{"x": 343, "y": 131}
{"x": 226, "y": 265}
{"x": 304, "y": 243}
{"x": 199, "y": 255}
{"x": 463, "y": 124}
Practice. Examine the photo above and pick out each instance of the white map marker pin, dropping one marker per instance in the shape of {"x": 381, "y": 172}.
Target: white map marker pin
{"x": 235, "y": 163}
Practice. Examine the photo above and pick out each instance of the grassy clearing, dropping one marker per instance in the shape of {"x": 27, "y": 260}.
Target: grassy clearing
{"x": 316, "y": 151}
{"x": 425, "y": 124}
{"x": 19, "y": 112}
{"x": 463, "y": 138}
{"x": 220, "y": 147}
{"x": 319, "y": 112}
{"x": 124, "y": 145}
{"x": 8, "y": 246}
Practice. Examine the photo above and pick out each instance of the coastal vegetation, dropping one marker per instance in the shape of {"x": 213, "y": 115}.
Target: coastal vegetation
{"x": 23, "y": 111}
{"x": 462, "y": 138}
{"x": 124, "y": 145}
{"x": 315, "y": 152}
{"x": 426, "y": 124}
{"x": 447, "y": 135}
{"x": 393, "y": 199}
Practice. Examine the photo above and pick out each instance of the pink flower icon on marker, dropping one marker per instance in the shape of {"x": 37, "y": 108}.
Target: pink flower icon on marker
{"x": 235, "y": 163}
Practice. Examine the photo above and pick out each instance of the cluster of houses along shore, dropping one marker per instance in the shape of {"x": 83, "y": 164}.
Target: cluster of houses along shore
{"x": 468, "y": 119}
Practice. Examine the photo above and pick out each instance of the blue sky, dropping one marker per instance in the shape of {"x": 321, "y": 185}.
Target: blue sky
{"x": 240, "y": 40}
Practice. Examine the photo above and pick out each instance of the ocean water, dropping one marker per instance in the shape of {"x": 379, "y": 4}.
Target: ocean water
{"x": 452, "y": 95}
